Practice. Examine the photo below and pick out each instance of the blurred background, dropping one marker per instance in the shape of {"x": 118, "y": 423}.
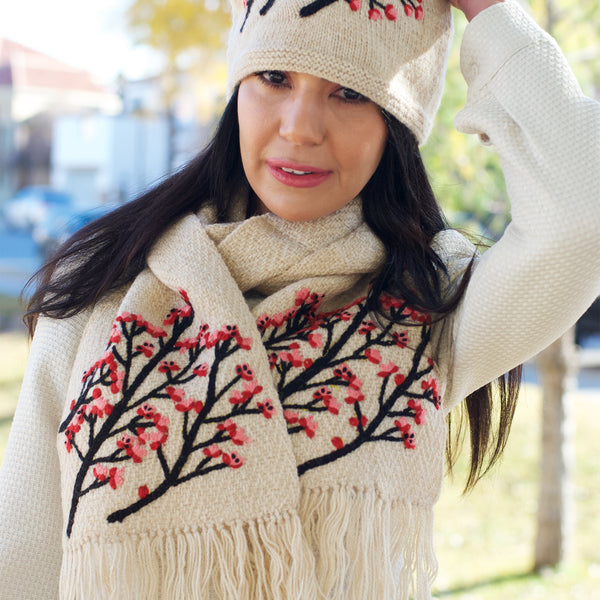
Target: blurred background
{"x": 99, "y": 101}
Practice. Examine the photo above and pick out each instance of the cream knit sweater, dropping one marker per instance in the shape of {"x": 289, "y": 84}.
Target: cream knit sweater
{"x": 526, "y": 290}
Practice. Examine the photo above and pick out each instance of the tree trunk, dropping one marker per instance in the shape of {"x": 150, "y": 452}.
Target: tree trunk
{"x": 557, "y": 368}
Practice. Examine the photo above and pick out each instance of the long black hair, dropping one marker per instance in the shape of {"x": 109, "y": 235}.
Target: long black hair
{"x": 398, "y": 205}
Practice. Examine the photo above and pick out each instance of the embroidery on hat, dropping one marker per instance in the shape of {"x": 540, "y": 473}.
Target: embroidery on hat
{"x": 292, "y": 336}
{"x": 411, "y": 8}
{"x": 117, "y": 420}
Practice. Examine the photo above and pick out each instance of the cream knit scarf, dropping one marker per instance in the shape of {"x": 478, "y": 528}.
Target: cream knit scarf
{"x": 288, "y": 451}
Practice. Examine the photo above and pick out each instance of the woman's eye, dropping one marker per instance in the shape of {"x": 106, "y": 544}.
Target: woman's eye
{"x": 274, "y": 78}
{"x": 349, "y": 95}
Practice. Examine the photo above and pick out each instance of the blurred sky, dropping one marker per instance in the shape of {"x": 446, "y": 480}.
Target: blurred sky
{"x": 89, "y": 34}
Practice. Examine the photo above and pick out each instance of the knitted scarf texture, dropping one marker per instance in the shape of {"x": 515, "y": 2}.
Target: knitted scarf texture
{"x": 288, "y": 447}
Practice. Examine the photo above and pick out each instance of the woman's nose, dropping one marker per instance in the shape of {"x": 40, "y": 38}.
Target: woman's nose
{"x": 303, "y": 119}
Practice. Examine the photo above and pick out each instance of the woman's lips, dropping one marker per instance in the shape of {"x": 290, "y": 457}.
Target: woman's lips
{"x": 296, "y": 174}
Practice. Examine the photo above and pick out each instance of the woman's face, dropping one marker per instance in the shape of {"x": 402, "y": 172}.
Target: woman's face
{"x": 308, "y": 145}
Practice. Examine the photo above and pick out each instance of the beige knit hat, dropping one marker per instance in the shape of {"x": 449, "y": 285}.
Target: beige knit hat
{"x": 395, "y": 53}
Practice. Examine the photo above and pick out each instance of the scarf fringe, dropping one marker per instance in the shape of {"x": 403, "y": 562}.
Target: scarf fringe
{"x": 266, "y": 559}
{"x": 367, "y": 547}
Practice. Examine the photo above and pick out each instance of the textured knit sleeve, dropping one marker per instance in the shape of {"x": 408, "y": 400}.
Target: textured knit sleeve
{"x": 544, "y": 272}
{"x": 30, "y": 505}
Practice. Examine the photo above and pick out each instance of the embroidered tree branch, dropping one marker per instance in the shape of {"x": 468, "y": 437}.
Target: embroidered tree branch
{"x": 399, "y": 406}
{"x": 124, "y": 396}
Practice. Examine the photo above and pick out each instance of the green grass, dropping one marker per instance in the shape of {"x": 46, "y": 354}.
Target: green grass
{"x": 484, "y": 540}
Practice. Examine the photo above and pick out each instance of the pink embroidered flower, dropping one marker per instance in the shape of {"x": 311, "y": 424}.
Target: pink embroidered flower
{"x": 244, "y": 343}
{"x": 406, "y": 434}
{"x": 345, "y": 315}
{"x": 115, "y": 477}
{"x": 244, "y": 371}
{"x": 366, "y": 327}
{"x": 132, "y": 446}
{"x": 186, "y": 344}
{"x": 100, "y": 472}
{"x": 239, "y": 437}
{"x": 99, "y": 407}
{"x": 290, "y": 416}
{"x": 237, "y": 398}
{"x": 213, "y": 451}
{"x": 343, "y": 372}
{"x": 161, "y": 422}
{"x": 228, "y": 425}
{"x": 268, "y": 410}
{"x": 272, "y": 360}
{"x": 294, "y": 357}
{"x": 277, "y": 320}
{"x": 263, "y": 322}
{"x": 332, "y": 405}
{"x": 309, "y": 425}
{"x": 171, "y": 317}
{"x": 322, "y": 393}
{"x": 147, "y": 349}
{"x": 251, "y": 388}
{"x": 420, "y": 412}
{"x": 315, "y": 340}
{"x": 201, "y": 370}
{"x": 117, "y": 378}
{"x": 167, "y": 366}
{"x": 432, "y": 384}
{"x": 354, "y": 395}
{"x": 387, "y": 369}
{"x": 156, "y": 438}
{"x": 115, "y": 335}
{"x": 400, "y": 338}
{"x": 390, "y": 12}
{"x": 302, "y": 296}
{"x": 373, "y": 355}
{"x": 233, "y": 460}
{"x": 155, "y": 331}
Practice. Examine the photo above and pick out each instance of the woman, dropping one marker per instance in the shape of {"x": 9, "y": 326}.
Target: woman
{"x": 250, "y": 368}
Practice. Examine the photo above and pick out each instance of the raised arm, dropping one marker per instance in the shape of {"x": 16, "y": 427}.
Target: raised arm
{"x": 535, "y": 282}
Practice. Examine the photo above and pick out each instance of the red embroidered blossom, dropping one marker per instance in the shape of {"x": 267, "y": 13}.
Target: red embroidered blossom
{"x": 387, "y": 370}
{"x": 161, "y": 422}
{"x": 308, "y": 363}
{"x": 168, "y": 365}
{"x": 233, "y": 460}
{"x": 345, "y": 315}
{"x": 406, "y": 434}
{"x": 366, "y": 327}
{"x": 156, "y": 438}
{"x": 100, "y": 472}
{"x": 338, "y": 442}
{"x": 323, "y": 393}
{"x": 268, "y": 410}
{"x": 373, "y": 355}
{"x": 251, "y": 388}
{"x": 132, "y": 447}
{"x": 374, "y": 14}
{"x": 155, "y": 331}
{"x": 213, "y": 451}
{"x": 390, "y": 12}
{"x": 272, "y": 360}
{"x": 115, "y": 335}
{"x": 244, "y": 371}
{"x": 290, "y": 416}
{"x": 400, "y": 338}
{"x": 399, "y": 379}
{"x": 388, "y": 302}
{"x": 309, "y": 425}
{"x": 244, "y": 343}
{"x": 302, "y": 296}
{"x": 171, "y": 317}
{"x": 263, "y": 322}
{"x": 117, "y": 378}
{"x": 143, "y": 491}
{"x": 343, "y": 372}
{"x": 115, "y": 477}
{"x": 228, "y": 425}
{"x": 432, "y": 384}
{"x": 294, "y": 357}
{"x": 201, "y": 370}
{"x": 420, "y": 412}
{"x": 354, "y": 421}
{"x": 315, "y": 340}
{"x": 146, "y": 348}
{"x": 354, "y": 395}
{"x": 238, "y": 436}
{"x": 332, "y": 405}
{"x": 99, "y": 407}
{"x": 277, "y": 320}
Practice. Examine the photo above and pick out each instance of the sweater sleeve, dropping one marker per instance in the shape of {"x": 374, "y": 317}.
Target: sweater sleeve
{"x": 544, "y": 272}
{"x": 30, "y": 501}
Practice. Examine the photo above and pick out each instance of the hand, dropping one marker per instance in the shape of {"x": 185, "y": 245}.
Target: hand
{"x": 472, "y": 8}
